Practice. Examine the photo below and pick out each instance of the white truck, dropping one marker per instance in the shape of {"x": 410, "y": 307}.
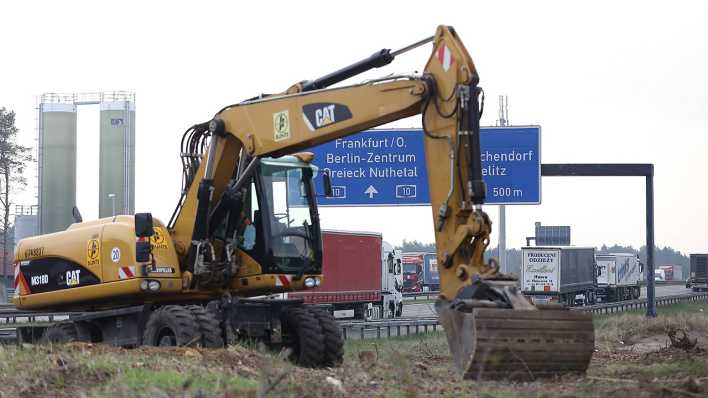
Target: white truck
{"x": 618, "y": 276}
{"x": 564, "y": 274}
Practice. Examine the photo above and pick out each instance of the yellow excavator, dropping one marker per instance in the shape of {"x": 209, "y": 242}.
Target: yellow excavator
{"x": 247, "y": 228}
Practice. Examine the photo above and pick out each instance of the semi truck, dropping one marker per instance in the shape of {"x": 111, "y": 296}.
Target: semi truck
{"x": 698, "y": 279}
{"x": 361, "y": 277}
{"x": 413, "y": 272}
{"x": 563, "y": 274}
{"x": 420, "y": 272}
{"x": 618, "y": 276}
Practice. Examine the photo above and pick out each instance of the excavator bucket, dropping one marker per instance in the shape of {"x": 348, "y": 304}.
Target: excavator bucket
{"x": 494, "y": 343}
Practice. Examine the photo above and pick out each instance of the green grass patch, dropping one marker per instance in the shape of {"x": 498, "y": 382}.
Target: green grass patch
{"x": 201, "y": 380}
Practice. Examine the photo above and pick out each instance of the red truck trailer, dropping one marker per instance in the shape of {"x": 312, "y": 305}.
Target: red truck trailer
{"x": 361, "y": 276}
{"x": 671, "y": 272}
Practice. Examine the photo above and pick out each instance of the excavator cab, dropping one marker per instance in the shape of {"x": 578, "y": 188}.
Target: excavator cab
{"x": 282, "y": 230}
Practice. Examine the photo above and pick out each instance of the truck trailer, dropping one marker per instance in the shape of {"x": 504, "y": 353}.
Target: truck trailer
{"x": 431, "y": 276}
{"x": 672, "y": 272}
{"x": 698, "y": 279}
{"x": 362, "y": 277}
{"x": 562, "y": 274}
{"x": 618, "y": 276}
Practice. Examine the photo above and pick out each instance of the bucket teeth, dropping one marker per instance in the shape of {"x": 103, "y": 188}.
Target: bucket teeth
{"x": 492, "y": 343}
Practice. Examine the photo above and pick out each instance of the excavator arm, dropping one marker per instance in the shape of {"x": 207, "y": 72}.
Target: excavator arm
{"x": 492, "y": 329}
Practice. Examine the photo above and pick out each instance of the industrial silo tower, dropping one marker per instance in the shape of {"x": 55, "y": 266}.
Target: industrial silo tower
{"x": 57, "y": 156}
{"x": 117, "y": 154}
{"x": 57, "y": 161}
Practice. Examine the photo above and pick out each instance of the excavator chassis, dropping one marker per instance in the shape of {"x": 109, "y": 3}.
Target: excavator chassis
{"x": 502, "y": 335}
{"x": 310, "y": 333}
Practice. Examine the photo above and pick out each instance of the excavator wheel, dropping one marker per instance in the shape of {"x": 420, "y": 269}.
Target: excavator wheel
{"x": 305, "y": 337}
{"x": 172, "y": 325}
{"x": 209, "y": 327}
{"x": 59, "y": 333}
{"x": 333, "y": 341}
{"x": 494, "y": 343}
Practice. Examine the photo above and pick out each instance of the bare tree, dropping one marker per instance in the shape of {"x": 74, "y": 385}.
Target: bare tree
{"x": 13, "y": 158}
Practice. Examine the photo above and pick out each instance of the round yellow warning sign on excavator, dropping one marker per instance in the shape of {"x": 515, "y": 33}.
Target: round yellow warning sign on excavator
{"x": 93, "y": 252}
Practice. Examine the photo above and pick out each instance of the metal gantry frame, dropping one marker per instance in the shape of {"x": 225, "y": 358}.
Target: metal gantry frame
{"x": 645, "y": 170}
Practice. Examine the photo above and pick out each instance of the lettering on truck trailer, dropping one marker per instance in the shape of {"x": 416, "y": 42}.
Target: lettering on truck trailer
{"x": 627, "y": 268}
{"x": 540, "y": 271}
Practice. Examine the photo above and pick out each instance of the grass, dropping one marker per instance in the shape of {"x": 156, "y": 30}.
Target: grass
{"x": 408, "y": 366}
{"x": 633, "y": 326}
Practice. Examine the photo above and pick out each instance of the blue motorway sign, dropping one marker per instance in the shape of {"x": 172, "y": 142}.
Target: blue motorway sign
{"x": 511, "y": 164}
{"x": 387, "y": 167}
{"x": 374, "y": 168}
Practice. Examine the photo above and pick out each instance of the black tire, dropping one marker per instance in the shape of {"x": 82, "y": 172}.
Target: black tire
{"x": 209, "y": 327}
{"x": 305, "y": 337}
{"x": 172, "y": 325}
{"x": 60, "y": 333}
{"x": 333, "y": 340}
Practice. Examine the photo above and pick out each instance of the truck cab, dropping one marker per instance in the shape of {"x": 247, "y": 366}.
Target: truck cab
{"x": 659, "y": 275}
{"x": 392, "y": 281}
{"x": 413, "y": 272}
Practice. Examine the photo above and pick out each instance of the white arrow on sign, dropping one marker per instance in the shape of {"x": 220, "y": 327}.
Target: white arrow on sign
{"x": 371, "y": 191}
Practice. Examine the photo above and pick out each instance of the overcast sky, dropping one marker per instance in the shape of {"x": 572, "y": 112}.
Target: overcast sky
{"x": 607, "y": 81}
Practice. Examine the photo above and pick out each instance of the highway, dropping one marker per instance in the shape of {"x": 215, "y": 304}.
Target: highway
{"x": 411, "y": 309}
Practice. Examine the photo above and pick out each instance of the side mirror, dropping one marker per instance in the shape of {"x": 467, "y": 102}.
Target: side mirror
{"x": 76, "y": 214}
{"x": 143, "y": 225}
{"x": 327, "y": 181}
{"x": 143, "y": 229}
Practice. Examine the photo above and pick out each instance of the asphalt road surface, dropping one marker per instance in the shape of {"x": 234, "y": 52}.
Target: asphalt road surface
{"x": 421, "y": 310}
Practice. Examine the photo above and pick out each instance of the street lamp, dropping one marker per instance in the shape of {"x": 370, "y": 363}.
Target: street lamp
{"x": 113, "y": 202}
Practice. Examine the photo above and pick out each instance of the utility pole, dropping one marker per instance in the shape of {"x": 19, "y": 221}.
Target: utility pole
{"x": 503, "y": 121}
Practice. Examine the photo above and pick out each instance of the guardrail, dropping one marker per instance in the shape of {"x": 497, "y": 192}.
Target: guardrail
{"x": 419, "y": 295}
{"x": 622, "y": 306}
{"x": 432, "y": 295}
{"x": 386, "y": 328}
